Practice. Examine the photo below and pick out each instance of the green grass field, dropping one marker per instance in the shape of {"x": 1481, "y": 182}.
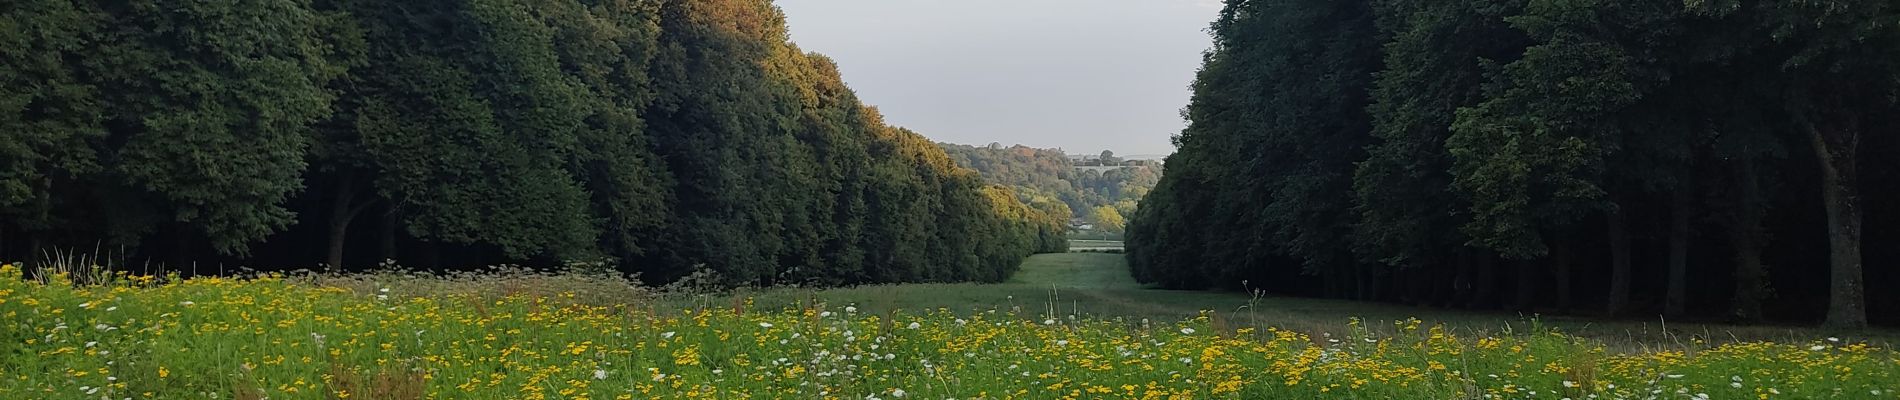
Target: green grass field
{"x": 1068, "y": 326}
{"x": 1098, "y": 285}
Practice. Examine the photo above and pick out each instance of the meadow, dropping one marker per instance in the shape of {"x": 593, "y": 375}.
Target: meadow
{"x": 1068, "y": 326}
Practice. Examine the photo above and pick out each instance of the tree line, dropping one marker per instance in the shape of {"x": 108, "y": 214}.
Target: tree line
{"x": 661, "y": 136}
{"x": 1718, "y": 158}
{"x": 1048, "y": 180}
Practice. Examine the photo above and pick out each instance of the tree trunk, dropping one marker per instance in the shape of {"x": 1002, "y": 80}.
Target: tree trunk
{"x": 1459, "y": 291}
{"x": 1745, "y": 236}
{"x": 1363, "y": 283}
{"x": 1560, "y": 263}
{"x": 431, "y": 255}
{"x": 341, "y": 212}
{"x": 1527, "y": 285}
{"x": 181, "y": 244}
{"x": 1619, "y": 263}
{"x": 1840, "y": 193}
{"x": 33, "y": 257}
{"x": 389, "y": 234}
{"x": 1418, "y": 284}
{"x": 1487, "y": 283}
{"x": 1675, "y": 304}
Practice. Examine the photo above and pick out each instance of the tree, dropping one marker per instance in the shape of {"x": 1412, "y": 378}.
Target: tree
{"x": 48, "y": 128}
{"x": 208, "y": 140}
{"x": 1108, "y": 220}
{"x": 1839, "y": 79}
{"x": 1434, "y": 64}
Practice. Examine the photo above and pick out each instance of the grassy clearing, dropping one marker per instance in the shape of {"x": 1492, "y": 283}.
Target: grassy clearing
{"x": 1069, "y": 326}
{"x": 1098, "y": 286}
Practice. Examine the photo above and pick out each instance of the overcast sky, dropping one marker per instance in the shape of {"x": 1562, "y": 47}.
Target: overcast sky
{"x": 1083, "y": 75}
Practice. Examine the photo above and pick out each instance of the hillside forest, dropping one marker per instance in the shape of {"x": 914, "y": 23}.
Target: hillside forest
{"x": 1719, "y": 159}
{"x": 658, "y": 137}
{"x": 1101, "y": 192}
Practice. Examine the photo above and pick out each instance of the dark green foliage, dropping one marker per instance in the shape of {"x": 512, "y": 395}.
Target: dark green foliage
{"x": 665, "y": 136}
{"x": 1271, "y": 141}
{"x": 1676, "y": 157}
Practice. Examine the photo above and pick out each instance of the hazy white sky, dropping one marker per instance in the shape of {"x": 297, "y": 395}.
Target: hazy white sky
{"x": 1083, "y": 75}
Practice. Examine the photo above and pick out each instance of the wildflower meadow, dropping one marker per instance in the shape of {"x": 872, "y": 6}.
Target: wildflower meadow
{"x": 272, "y": 337}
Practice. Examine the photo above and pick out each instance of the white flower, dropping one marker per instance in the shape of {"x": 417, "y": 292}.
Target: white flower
{"x": 600, "y": 374}
{"x": 1062, "y": 342}
{"x": 718, "y": 371}
{"x": 186, "y": 303}
{"x": 1817, "y": 348}
{"x": 112, "y": 308}
{"x": 1702, "y": 396}
{"x": 666, "y": 335}
{"x": 1737, "y": 385}
{"x": 826, "y": 314}
{"x": 889, "y": 356}
{"x": 1773, "y": 391}
{"x": 897, "y": 392}
{"x": 1736, "y": 378}
{"x": 1834, "y": 339}
{"x": 85, "y": 305}
{"x": 915, "y": 325}
{"x": 90, "y": 344}
{"x": 1187, "y": 331}
{"x": 1051, "y": 321}
{"x": 1570, "y": 384}
{"x": 960, "y": 321}
{"x": 1673, "y": 376}
{"x": 765, "y": 324}
{"x": 850, "y": 309}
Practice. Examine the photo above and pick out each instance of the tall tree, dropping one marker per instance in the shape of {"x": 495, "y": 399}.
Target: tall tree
{"x": 1434, "y": 64}
{"x": 49, "y": 124}
{"x": 212, "y": 118}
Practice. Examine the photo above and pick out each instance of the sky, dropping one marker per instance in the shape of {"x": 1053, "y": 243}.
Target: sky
{"x": 1081, "y": 75}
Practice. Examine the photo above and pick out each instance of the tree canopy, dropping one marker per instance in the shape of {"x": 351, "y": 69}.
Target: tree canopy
{"x": 665, "y": 137}
{"x": 1683, "y": 158}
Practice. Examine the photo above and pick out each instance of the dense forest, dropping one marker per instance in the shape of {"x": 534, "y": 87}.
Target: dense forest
{"x": 661, "y": 136}
{"x": 1048, "y": 180}
{"x": 1721, "y": 159}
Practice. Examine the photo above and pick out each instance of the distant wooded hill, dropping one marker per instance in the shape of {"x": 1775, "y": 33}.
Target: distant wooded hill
{"x": 1093, "y": 189}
